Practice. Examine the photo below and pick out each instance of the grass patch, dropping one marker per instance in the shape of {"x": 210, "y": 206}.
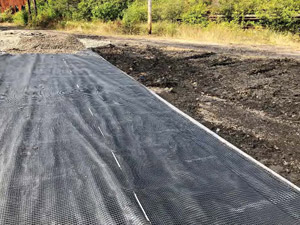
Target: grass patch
{"x": 96, "y": 27}
{"x": 220, "y": 33}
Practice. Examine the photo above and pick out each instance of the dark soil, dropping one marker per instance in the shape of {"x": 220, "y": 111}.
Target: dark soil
{"x": 253, "y": 102}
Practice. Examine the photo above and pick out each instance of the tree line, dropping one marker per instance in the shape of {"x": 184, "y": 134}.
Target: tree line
{"x": 275, "y": 14}
{"x": 29, "y": 7}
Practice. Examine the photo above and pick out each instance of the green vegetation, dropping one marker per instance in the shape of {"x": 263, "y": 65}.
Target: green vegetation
{"x": 20, "y": 18}
{"x": 172, "y": 18}
{"x": 274, "y": 14}
{"x": 7, "y": 16}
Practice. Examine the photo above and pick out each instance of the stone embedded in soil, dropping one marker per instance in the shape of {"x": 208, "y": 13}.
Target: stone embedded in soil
{"x": 277, "y": 168}
{"x": 158, "y": 90}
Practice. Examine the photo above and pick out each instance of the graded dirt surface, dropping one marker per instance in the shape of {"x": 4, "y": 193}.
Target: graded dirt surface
{"x": 251, "y": 100}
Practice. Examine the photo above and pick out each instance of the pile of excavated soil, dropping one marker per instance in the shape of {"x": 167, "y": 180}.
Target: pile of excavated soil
{"x": 8, "y": 41}
{"x": 253, "y": 102}
{"x": 17, "y": 42}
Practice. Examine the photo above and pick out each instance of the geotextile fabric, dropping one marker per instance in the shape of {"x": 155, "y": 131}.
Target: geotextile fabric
{"x": 82, "y": 143}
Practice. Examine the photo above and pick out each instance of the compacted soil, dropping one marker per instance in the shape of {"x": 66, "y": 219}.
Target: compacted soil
{"x": 251, "y": 100}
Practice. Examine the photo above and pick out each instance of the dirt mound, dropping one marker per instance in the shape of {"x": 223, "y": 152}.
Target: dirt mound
{"x": 50, "y": 43}
{"x": 43, "y": 42}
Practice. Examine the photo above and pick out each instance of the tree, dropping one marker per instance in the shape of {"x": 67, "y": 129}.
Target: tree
{"x": 35, "y": 7}
{"x": 29, "y": 8}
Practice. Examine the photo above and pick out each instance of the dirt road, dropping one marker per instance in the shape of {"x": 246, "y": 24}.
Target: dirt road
{"x": 250, "y": 97}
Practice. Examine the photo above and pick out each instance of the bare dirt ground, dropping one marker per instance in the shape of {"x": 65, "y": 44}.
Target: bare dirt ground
{"x": 29, "y": 41}
{"x": 250, "y": 97}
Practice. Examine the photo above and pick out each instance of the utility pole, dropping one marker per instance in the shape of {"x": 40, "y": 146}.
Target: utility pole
{"x": 149, "y": 16}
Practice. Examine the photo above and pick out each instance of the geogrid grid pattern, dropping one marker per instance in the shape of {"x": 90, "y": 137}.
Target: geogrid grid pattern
{"x": 81, "y": 143}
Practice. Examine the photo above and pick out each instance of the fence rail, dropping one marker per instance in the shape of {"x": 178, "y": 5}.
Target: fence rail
{"x": 245, "y": 18}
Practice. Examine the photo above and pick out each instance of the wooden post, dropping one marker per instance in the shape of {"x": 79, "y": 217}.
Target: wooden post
{"x": 35, "y": 7}
{"x": 29, "y": 8}
{"x": 149, "y": 16}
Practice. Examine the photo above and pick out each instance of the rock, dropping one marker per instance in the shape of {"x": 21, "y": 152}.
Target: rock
{"x": 264, "y": 161}
{"x": 168, "y": 90}
{"x": 293, "y": 177}
{"x": 142, "y": 78}
{"x": 159, "y": 90}
{"x": 277, "y": 168}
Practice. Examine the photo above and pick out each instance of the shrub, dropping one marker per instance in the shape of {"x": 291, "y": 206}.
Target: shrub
{"x": 47, "y": 16}
{"x": 20, "y": 18}
{"x": 105, "y": 10}
{"x": 236, "y": 10}
{"x": 276, "y": 14}
{"x": 170, "y": 10}
{"x": 136, "y": 13}
{"x": 109, "y": 10}
{"x": 196, "y": 13}
{"x": 7, "y": 16}
{"x": 84, "y": 11}
{"x": 280, "y": 14}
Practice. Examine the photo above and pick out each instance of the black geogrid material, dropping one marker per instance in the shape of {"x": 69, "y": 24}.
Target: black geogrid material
{"x": 56, "y": 167}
